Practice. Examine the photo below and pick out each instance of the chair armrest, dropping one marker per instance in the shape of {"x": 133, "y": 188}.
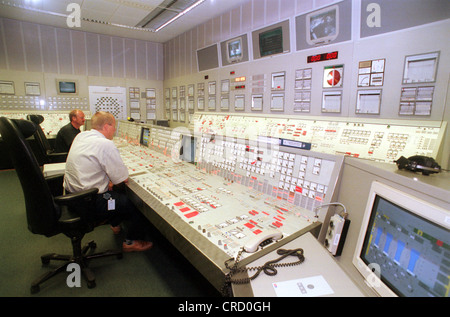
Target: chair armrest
{"x": 55, "y": 183}
{"x": 76, "y": 206}
{"x": 52, "y": 152}
{"x": 69, "y": 199}
{"x": 56, "y": 157}
{"x": 55, "y": 178}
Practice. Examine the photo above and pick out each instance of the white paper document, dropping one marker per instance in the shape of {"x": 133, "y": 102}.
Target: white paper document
{"x": 304, "y": 287}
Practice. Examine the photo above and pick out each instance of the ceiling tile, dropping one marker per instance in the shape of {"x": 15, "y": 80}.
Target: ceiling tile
{"x": 128, "y": 16}
{"x": 96, "y": 15}
{"x": 107, "y": 7}
{"x": 58, "y": 6}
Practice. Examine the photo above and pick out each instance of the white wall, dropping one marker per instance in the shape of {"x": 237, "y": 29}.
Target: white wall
{"x": 30, "y": 52}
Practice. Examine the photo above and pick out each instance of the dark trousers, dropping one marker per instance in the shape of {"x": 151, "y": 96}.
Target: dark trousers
{"x": 124, "y": 210}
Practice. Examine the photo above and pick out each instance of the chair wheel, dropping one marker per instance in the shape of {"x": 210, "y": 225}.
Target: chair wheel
{"x": 119, "y": 256}
{"x": 35, "y": 289}
{"x": 91, "y": 284}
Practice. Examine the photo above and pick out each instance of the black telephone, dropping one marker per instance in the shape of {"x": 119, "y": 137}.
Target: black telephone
{"x": 419, "y": 163}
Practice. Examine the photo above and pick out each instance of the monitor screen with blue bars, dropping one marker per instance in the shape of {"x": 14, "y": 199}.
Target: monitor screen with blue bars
{"x": 409, "y": 251}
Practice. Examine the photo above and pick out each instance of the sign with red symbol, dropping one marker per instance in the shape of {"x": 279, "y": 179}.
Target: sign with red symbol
{"x": 333, "y": 76}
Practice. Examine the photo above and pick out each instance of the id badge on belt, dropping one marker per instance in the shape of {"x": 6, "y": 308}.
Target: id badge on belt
{"x": 111, "y": 201}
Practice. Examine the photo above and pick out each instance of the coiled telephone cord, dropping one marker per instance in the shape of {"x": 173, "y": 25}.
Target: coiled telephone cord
{"x": 268, "y": 268}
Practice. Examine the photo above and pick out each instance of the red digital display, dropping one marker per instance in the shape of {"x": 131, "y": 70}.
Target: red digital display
{"x": 322, "y": 57}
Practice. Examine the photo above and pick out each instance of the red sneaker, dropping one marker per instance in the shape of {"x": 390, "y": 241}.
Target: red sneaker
{"x": 137, "y": 246}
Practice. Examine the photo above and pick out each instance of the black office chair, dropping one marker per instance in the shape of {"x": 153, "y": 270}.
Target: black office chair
{"x": 48, "y": 211}
{"x": 47, "y": 153}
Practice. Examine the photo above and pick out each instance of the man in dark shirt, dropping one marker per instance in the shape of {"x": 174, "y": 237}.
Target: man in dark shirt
{"x": 68, "y": 132}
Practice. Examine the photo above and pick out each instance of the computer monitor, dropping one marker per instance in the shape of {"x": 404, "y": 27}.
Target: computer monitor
{"x": 145, "y": 136}
{"x": 187, "y": 148}
{"x": 322, "y": 26}
{"x": 67, "y": 87}
{"x": 403, "y": 247}
{"x": 234, "y": 50}
{"x": 162, "y": 123}
{"x": 271, "y": 42}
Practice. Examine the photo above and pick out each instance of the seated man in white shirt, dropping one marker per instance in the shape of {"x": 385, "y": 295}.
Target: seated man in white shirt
{"x": 94, "y": 162}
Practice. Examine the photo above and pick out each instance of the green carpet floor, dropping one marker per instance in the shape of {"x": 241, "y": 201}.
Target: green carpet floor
{"x": 159, "y": 272}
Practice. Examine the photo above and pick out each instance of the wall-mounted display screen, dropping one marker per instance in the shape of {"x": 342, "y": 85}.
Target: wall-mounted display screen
{"x": 234, "y": 50}
{"x": 271, "y": 42}
{"x": 67, "y": 87}
{"x": 330, "y": 24}
{"x": 322, "y": 26}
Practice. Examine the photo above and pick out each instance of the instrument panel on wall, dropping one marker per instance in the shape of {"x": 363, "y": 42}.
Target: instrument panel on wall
{"x": 376, "y": 141}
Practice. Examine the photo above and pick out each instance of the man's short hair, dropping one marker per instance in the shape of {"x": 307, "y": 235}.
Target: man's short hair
{"x": 73, "y": 114}
{"x": 100, "y": 118}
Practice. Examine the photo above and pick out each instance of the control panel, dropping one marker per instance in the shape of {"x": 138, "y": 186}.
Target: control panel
{"x": 379, "y": 141}
{"x": 259, "y": 179}
{"x": 290, "y": 174}
{"x": 238, "y": 191}
{"x": 227, "y": 213}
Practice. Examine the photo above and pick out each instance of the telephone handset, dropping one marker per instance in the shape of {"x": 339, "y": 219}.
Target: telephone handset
{"x": 269, "y": 268}
{"x": 262, "y": 239}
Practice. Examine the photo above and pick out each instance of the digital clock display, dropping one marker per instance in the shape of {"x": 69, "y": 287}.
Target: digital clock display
{"x": 322, "y": 57}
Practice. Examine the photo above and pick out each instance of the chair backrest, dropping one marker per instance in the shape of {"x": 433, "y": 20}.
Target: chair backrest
{"x": 39, "y": 135}
{"x": 45, "y": 153}
{"x": 42, "y": 213}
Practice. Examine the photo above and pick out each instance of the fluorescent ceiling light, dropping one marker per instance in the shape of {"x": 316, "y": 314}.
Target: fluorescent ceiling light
{"x": 180, "y": 14}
